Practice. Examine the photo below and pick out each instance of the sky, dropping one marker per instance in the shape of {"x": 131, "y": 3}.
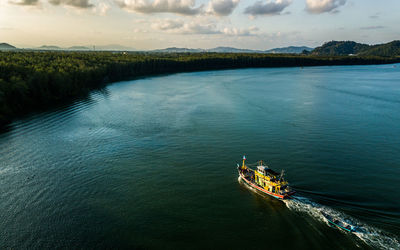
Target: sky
{"x": 155, "y": 24}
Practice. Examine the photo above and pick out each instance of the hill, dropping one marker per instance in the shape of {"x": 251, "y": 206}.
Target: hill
{"x": 339, "y": 48}
{"x": 49, "y": 47}
{"x": 113, "y": 47}
{"x": 213, "y": 50}
{"x": 6, "y": 46}
{"x": 177, "y": 50}
{"x": 289, "y": 50}
{"x": 285, "y": 50}
{"x": 78, "y": 48}
{"x": 232, "y": 50}
{"x": 387, "y": 50}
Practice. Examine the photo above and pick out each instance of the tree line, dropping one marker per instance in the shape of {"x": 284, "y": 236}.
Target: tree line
{"x": 31, "y": 81}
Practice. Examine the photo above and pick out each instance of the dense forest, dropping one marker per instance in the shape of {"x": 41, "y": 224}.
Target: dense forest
{"x": 31, "y": 81}
{"x": 342, "y": 48}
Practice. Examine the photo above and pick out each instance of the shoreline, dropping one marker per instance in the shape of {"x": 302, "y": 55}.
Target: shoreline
{"x": 38, "y": 81}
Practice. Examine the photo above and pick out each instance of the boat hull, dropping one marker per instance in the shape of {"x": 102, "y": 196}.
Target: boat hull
{"x": 264, "y": 191}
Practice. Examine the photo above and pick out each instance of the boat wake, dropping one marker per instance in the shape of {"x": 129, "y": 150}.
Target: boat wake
{"x": 372, "y": 236}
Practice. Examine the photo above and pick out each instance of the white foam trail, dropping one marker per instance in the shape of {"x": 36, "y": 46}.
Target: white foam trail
{"x": 370, "y": 235}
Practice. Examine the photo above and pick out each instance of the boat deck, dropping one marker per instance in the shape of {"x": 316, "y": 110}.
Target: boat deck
{"x": 248, "y": 177}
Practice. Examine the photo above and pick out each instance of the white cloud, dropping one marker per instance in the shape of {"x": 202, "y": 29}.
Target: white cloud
{"x": 138, "y": 30}
{"x": 199, "y": 26}
{"x": 267, "y": 8}
{"x": 240, "y": 32}
{"x": 168, "y": 24}
{"x": 222, "y": 7}
{"x": 321, "y": 6}
{"x": 191, "y": 28}
{"x": 196, "y": 28}
{"x": 102, "y": 9}
{"x": 182, "y": 7}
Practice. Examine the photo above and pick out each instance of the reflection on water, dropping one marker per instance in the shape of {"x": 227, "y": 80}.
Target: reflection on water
{"x": 151, "y": 163}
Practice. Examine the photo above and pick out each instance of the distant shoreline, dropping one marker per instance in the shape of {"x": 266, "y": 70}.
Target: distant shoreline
{"x": 33, "y": 81}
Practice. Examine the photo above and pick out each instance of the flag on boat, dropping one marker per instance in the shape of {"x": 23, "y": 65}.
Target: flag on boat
{"x": 244, "y": 157}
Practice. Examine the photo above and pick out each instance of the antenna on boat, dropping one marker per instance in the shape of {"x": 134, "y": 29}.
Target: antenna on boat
{"x": 282, "y": 173}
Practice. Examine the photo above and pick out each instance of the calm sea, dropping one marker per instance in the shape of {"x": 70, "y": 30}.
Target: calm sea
{"x": 151, "y": 163}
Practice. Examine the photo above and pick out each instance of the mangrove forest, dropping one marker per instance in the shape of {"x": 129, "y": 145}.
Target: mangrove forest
{"x": 37, "y": 80}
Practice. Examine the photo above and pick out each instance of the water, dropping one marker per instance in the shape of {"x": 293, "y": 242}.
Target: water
{"x": 151, "y": 163}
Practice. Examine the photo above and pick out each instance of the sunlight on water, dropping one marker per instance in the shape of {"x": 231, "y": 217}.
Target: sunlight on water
{"x": 149, "y": 163}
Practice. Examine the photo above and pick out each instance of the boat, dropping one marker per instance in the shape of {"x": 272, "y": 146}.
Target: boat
{"x": 339, "y": 223}
{"x": 265, "y": 180}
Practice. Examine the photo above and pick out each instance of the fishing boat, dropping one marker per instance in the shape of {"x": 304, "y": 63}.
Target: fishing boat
{"x": 265, "y": 180}
{"x": 339, "y": 223}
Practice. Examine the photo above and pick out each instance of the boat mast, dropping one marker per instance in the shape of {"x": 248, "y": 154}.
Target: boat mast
{"x": 243, "y": 165}
{"x": 282, "y": 173}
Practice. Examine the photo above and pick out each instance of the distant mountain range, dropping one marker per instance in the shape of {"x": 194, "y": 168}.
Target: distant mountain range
{"x": 6, "y": 46}
{"x": 341, "y": 48}
{"x": 49, "y": 47}
{"x": 233, "y": 50}
{"x": 332, "y": 48}
{"x": 177, "y": 50}
{"x": 215, "y": 50}
{"x": 111, "y": 47}
{"x": 78, "y": 48}
{"x": 289, "y": 50}
{"x": 116, "y": 47}
{"x": 285, "y": 50}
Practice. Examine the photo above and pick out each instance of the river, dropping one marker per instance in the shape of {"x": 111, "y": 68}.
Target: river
{"x": 151, "y": 163}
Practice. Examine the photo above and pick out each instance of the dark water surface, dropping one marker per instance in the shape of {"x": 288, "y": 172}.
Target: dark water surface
{"x": 151, "y": 163}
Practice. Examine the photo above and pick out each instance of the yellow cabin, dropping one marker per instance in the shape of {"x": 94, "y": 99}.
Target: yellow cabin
{"x": 265, "y": 180}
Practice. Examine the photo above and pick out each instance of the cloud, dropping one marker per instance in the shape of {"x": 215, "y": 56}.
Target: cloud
{"x": 240, "y": 32}
{"x": 24, "y": 2}
{"x": 168, "y": 24}
{"x": 102, "y": 9}
{"x": 268, "y": 8}
{"x": 373, "y": 27}
{"x": 321, "y": 6}
{"x": 182, "y": 7}
{"x": 195, "y": 28}
{"x": 178, "y": 26}
{"x": 74, "y": 3}
{"x": 222, "y": 7}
